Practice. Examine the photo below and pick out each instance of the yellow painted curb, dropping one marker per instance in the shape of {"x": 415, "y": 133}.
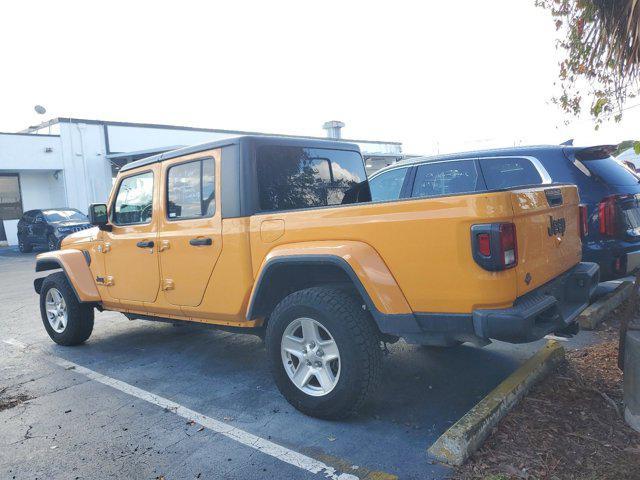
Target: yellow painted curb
{"x": 595, "y": 313}
{"x": 464, "y": 437}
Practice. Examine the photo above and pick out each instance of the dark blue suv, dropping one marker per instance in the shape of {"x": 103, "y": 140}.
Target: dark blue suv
{"x": 610, "y": 191}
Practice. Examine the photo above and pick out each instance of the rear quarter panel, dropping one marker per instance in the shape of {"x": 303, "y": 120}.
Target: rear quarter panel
{"x": 425, "y": 243}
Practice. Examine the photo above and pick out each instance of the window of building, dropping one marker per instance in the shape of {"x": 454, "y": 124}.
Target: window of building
{"x": 191, "y": 190}
{"x": 445, "y": 178}
{"x": 134, "y": 201}
{"x": 502, "y": 173}
{"x": 387, "y": 185}
{"x": 291, "y": 178}
{"x": 10, "y": 198}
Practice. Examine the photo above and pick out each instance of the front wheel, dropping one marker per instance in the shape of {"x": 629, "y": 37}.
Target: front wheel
{"x": 66, "y": 320}
{"x": 324, "y": 352}
{"x": 24, "y": 246}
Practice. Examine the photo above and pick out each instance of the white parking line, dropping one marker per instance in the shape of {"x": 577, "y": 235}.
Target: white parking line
{"x": 245, "y": 438}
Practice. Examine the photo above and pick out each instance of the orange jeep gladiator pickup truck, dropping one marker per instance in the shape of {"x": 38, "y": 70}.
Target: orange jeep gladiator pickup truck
{"x": 278, "y": 236}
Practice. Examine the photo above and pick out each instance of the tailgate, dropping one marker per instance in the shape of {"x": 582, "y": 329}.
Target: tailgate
{"x": 548, "y": 233}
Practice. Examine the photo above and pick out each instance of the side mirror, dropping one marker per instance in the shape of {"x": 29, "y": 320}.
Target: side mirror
{"x": 98, "y": 215}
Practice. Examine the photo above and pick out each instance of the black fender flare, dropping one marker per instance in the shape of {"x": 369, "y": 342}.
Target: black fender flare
{"x": 387, "y": 323}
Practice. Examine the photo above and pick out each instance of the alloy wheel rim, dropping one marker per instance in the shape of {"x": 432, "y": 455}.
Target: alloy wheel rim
{"x": 310, "y": 356}
{"x": 56, "y": 309}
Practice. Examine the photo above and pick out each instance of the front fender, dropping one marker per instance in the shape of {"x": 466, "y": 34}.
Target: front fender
{"x": 74, "y": 265}
{"x": 363, "y": 264}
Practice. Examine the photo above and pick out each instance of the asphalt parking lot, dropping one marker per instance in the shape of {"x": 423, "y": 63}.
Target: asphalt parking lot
{"x": 120, "y": 405}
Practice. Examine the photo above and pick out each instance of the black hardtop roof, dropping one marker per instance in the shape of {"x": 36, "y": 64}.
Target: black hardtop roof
{"x": 261, "y": 139}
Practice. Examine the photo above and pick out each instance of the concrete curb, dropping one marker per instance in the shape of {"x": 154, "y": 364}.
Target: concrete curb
{"x": 463, "y": 438}
{"x": 594, "y": 314}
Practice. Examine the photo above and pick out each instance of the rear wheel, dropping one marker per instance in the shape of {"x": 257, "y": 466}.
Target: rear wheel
{"x": 24, "y": 246}
{"x": 324, "y": 352}
{"x": 67, "y": 321}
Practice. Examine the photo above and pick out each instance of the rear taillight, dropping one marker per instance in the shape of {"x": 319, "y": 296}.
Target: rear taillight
{"x": 494, "y": 245}
{"x": 484, "y": 244}
{"x": 583, "y": 221}
{"x": 508, "y": 244}
{"x": 607, "y": 216}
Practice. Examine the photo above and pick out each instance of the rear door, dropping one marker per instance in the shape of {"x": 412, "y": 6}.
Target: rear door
{"x": 190, "y": 238}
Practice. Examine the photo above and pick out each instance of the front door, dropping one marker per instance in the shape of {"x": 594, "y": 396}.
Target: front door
{"x": 190, "y": 239}
{"x": 39, "y": 229}
{"x": 131, "y": 254}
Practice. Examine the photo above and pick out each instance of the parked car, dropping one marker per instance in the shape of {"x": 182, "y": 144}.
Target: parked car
{"x": 48, "y": 227}
{"x": 609, "y": 190}
{"x": 278, "y": 237}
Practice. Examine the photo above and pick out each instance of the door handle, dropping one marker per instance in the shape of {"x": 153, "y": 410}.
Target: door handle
{"x": 200, "y": 242}
{"x": 146, "y": 244}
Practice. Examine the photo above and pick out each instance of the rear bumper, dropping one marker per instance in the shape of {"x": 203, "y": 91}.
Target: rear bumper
{"x": 615, "y": 258}
{"x": 551, "y": 308}
{"x": 548, "y": 309}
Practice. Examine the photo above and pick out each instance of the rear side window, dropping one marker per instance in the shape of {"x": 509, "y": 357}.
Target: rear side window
{"x": 502, "y": 173}
{"x": 611, "y": 172}
{"x": 446, "y": 178}
{"x": 291, "y": 178}
{"x": 134, "y": 200}
{"x": 191, "y": 190}
{"x": 387, "y": 186}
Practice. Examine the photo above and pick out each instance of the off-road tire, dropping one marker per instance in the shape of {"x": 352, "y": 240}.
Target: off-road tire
{"x": 79, "y": 315}
{"x": 52, "y": 243}
{"x": 356, "y": 336}
{"x": 24, "y": 246}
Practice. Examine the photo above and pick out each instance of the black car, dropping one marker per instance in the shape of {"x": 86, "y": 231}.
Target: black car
{"x": 49, "y": 227}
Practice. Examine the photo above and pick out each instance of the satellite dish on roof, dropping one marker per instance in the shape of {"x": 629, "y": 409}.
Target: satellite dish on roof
{"x": 40, "y": 110}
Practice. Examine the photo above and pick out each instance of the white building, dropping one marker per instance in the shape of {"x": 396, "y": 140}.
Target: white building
{"x": 71, "y": 162}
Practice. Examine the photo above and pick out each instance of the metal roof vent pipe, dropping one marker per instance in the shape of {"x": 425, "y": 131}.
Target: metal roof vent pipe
{"x": 333, "y": 129}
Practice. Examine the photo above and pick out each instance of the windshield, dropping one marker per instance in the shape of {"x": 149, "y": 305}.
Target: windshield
{"x": 611, "y": 172}
{"x": 64, "y": 216}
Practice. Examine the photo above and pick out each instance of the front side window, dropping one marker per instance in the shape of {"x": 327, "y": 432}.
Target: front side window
{"x": 446, "y": 178}
{"x": 502, "y": 173}
{"x": 134, "y": 201}
{"x": 291, "y": 178}
{"x": 387, "y": 186}
{"x": 191, "y": 190}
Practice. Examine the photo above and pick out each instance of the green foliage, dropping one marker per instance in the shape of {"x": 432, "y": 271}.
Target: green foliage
{"x": 626, "y": 145}
{"x": 622, "y": 146}
{"x": 600, "y": 46}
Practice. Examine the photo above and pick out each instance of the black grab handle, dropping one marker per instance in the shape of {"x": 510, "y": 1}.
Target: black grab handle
{"x": 200, "y": 242}
{"x": 147, "y": 244}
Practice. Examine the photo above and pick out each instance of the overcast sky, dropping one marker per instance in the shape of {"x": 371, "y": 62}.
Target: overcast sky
{"x": 437, "y": 76}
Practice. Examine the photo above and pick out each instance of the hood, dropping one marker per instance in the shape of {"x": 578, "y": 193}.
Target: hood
{"x": 83, "y": 236}
{"x": 69, "y": 223}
